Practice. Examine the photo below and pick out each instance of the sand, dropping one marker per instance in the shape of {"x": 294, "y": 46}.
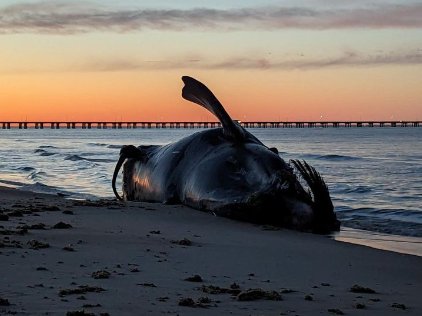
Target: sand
{"x": 115, "y": 258}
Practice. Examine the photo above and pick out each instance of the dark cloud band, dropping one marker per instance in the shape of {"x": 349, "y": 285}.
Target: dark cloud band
{"x": 65, "y": 18}
{"x": 354, "y": 59}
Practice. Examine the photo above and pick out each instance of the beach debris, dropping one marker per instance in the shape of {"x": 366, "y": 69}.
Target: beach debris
{"x": 134, "y": 270}
{"x": 83, "y": 298}
{"x": 147, "y": 284}
{"x": 91, "y": 305}
{"x": 162, "y": 298}
{"x": 194, "y": 278}
{"x": 68, "y": 248}
{"x": 204, "y": 300}
{"x": 375, "y": 299}
{"x": 40, "y": 226}
{"x": 358, "y": 305}
{"x": 155, "y": 232}
{"x": 101, "y": 274}
{"x": 68, "y": 212}
{"x": 399, "y": 306}
{"x": 52, "y": 208}
{"x": 360, "y": 289}
{"x": 212, "y": 289}
{"x": 82, "y": 289}
{"x": 10, "y": 243}
{"x": 257, "y": 294}
{"x": 98, "y": 203}
{"x": 42, "y": 269}
{"x": 287, "y": 291}
{"x": 186, "y": 302}
{"x": 200, "y": 302}
{"x": 308, "y": 297}
{"x": 4, "y": 217}
{"x": 325, "y": 284}
{"x": 79, "y": 313}
{"x": 234, "y": 286}
{"x": 19, "y": 231}
{"x": 182, "y": 242}
{"x": 4, "y": 302}
{"x": 62, "y": 225}
{"x": 36, "y": 245}
{"x": 15, "y": 213}
{"x": 335, "y": 311}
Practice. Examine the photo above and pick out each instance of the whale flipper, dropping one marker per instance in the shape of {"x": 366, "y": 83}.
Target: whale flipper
{"x": 198, "y": 93}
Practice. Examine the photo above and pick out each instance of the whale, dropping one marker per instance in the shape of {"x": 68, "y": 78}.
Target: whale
{"x": 228, "y": 172}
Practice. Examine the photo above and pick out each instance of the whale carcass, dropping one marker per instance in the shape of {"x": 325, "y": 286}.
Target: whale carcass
{"x": 229, "y": 172}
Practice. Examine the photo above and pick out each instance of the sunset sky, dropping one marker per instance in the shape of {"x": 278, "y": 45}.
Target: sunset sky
{"x": 264, "y": 60}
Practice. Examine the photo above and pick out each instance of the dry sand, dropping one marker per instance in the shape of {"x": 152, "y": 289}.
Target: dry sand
{"x": 140, "y": 258}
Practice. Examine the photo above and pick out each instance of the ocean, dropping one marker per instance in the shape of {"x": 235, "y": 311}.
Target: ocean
{"x": 374, "y": 174}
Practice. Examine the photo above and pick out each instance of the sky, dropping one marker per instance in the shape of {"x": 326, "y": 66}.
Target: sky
{"x": 264, "y": 60}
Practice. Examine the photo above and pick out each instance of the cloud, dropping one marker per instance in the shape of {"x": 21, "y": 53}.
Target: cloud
{"x": 74, "y": 18}
{"x": 347, "y": 59}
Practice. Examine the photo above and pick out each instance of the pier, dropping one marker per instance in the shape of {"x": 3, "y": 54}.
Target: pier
{"x": 159, "y": 125}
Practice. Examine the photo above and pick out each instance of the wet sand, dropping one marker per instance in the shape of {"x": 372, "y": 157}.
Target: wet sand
{"x": 62, "y": 257}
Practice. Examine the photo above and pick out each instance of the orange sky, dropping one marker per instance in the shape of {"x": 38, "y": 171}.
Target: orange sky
{"x": 282, "y": 74}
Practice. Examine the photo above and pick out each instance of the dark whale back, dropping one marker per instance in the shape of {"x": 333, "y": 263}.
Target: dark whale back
{"x": 201, "y": 165}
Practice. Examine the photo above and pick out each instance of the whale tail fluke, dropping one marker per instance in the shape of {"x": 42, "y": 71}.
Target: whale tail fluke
{"x": 196, "y": 92}
{"x": 325, "y": 219}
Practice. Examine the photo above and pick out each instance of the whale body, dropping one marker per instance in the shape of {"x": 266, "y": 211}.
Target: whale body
{"x": 229, "y": 172}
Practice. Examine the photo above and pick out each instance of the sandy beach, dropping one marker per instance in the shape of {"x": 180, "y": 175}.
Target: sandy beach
{"x": 62, "y": 257}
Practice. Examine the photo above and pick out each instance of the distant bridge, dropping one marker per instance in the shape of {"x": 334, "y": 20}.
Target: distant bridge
{"x": 149, "y": 125}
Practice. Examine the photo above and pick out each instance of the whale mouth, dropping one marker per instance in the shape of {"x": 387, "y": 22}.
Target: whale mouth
{"x": 325, "y": 219}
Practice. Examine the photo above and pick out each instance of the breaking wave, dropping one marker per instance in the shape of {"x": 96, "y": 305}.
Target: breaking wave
{"x": 43, "y": 152}
{"x": 338, "y": 157}
{"x": 79, "y": 158}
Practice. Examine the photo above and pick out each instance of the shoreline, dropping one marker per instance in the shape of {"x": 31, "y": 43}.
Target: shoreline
{"x": 148, "y": 251}
{"x": 389, "y": 242}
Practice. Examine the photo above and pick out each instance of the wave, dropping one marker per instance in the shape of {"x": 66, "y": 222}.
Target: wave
{"x": 40, "y": 187}
{"x": 74, "y": 158}
{"x": 383, "y": 225}
{"x": 338, "y": 157}
{"x": 357, "y": 189}
{"x": 35, "y": 175}
{"x": 46, "y": 146}
{"x": 405, "y": 215}
{"x": 26, "y": 169}
{"x": 330, "y": 157}
{"x": 79, "y": 158}
{"x": 43, "y": 152}
{"x": 105, "y": 145}
{"x": 98, "y": 144}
